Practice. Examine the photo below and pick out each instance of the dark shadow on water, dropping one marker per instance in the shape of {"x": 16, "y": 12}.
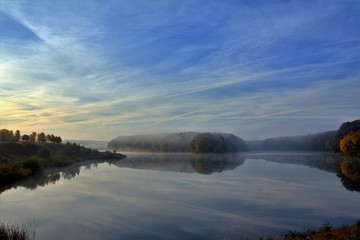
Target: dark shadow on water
{"x": 348, "y": 183}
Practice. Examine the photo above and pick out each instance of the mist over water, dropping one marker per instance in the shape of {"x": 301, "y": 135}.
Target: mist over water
{"x": 184, "y": 196}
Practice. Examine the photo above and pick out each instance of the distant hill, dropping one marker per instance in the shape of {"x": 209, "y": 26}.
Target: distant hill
{"x": 94, "y": 144}
{"x": 324, "y": 141}
{"x": 223, "y": 142}
{"x": 180, "y": 142}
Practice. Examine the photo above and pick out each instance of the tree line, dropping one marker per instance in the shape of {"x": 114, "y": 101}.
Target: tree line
{"x": 11, "y": 136}
{"x": 180, "y": 142}
{"x": 217, "y": 143}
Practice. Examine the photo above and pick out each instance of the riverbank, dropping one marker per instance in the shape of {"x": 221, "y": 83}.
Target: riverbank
{"x": 24, "y": 159}
{"x": 326, "y": 232}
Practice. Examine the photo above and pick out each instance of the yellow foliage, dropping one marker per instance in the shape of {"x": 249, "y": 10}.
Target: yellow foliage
{"x": 350, "y": 144}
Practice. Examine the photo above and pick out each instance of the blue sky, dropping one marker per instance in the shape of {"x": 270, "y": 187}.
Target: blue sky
{"x": 92, "y": 69}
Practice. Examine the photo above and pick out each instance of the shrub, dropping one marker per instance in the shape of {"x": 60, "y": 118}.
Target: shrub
{"x": 12, "y": 172}
{"x": 34, "y": 163}
{"x": 44, "y": 152}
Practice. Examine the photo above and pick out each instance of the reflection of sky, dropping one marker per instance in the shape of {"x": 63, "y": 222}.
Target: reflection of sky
{"x": 258, "y": 197}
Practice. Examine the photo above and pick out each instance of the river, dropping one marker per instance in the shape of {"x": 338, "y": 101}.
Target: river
{"x": 184, "y": 196}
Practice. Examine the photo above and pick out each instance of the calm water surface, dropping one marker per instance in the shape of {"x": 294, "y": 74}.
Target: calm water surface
{"x": 182, "y": 196}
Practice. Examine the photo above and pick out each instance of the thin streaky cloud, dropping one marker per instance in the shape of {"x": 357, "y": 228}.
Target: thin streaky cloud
{"x": 139, "y": 67}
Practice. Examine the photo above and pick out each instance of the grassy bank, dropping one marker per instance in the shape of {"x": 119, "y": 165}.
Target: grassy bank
{"x": 20, "y": 160}
{"x": 326, "y": 232}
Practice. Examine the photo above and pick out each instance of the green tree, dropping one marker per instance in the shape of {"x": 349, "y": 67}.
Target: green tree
{"x": 48, "y": 138}
{"x": 17, "y": 136}
{"x": 33, "y": 136}
{"x": 208, "y": 143}
{"x": 41, "y": 137}
{"x": 11, "y": 135}
{"x": 4, "y": 135}
{"x": 25, "y": 137}
{"x": 58, "y": 139}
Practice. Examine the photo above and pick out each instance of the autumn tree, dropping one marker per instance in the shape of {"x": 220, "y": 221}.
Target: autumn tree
{"x": 350, "y": 144}
{"x": 344, "y": 130}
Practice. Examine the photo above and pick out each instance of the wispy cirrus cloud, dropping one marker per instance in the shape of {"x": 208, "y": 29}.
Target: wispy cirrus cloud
{"x": 119, "y": 68}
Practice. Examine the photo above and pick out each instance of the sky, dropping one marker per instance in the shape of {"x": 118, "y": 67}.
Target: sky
{"x": 94, "y": 69}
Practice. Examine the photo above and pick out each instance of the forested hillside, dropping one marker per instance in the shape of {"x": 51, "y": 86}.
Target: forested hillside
{"x": 324, "y": 141}
{"x": 313, "y": 142}
{"x": 180, "y": 142}
{"x": 222, "y": 142}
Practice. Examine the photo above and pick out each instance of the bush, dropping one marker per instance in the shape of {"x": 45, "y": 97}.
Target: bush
{"x": 12, "y": 171}
{"x": 35, "y": 164}
{"x": 44, "y": 152}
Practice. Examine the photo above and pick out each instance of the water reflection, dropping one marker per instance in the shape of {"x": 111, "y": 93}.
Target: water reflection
{"x": 323, "y": 161}
{"x": 189, "y": 163}
{"x": 204, "y": 164}
{"x": 348, "y": 183}
{"x": 52, "y": 175}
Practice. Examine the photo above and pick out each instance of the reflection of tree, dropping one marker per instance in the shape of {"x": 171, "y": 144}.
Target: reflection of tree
{"x": 71, "y": 173}
{"x": 350, "y": 174}
{"x": 40, "y": 179}
{"x": 183, "y": 162}
{"x": 207, "y": 164}
{"x": 52, "y": 175}
{"x": 345, "y": 170}
{"x": 325, "y": 162}
{"x": 348, "y": 183}
{"x": 210, "y": 163}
